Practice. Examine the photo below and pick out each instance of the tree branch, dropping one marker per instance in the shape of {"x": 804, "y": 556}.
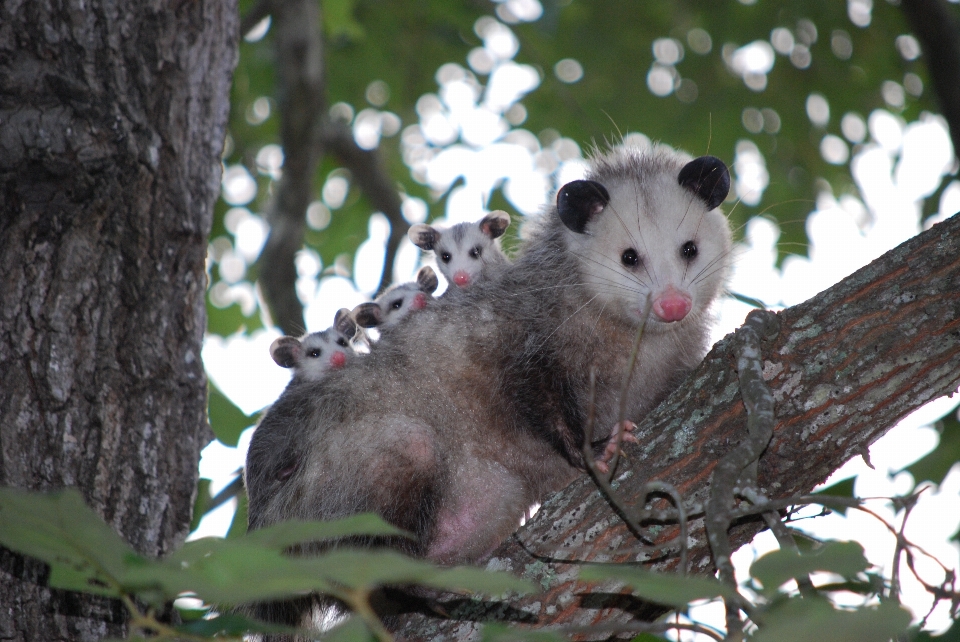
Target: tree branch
{"x": 937, "y": 27}
{"x": 302, "y": 102}
{"x": 366, "y": 167}
{"x": 844, "y": 368}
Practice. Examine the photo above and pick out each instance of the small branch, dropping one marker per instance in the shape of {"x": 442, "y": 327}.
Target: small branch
{"x": 758, "y": 401}
{"x": 366, "y": 167}
{"x": 936, "y": 25}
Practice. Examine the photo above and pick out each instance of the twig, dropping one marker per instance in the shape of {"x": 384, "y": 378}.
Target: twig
{"x": 631, "y": 366}
{"x": 758, "y": 401}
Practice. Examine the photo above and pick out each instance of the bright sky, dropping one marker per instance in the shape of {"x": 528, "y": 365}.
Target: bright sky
{"x": 472, "y": 130}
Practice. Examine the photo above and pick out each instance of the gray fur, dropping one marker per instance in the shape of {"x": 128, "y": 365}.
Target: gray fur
{"x": 453, "y": 427}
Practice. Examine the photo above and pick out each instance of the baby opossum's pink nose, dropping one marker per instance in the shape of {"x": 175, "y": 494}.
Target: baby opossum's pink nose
{"x": 337, "y": 359}
{"x": 672, "y": 306}
{"x": 419, "y": 301}
{"x": 461, "y": 278}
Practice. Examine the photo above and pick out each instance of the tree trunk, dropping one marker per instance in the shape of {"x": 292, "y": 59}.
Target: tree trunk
{"x": 844, "y": 367}
{"x": 112, "y": 121}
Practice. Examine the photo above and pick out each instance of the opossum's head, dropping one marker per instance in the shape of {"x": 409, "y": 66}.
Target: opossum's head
{"x": 315, "y": 354}
{"x": 398, "y": 302}
{"x": 464, "y": 250}
{"x": 646, "y": 223}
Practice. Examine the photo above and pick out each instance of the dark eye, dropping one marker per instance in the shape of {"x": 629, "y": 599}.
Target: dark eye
{"x": 630, "y": 258}
{"x": 314, "y": 353}
{"x": 397, "y": 304}
{"x": 445, "y": 257}
{"x": 342, "y": 342}
{"x": 476, "y": 252}
{"x": 689, "y": 250}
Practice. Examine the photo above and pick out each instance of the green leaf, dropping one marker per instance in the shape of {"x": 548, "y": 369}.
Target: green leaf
{"x": 843, "y": 488}
{"x": 647, "y": 637}
{"x": 505, "y": 633}
{"x": 84, "y": 553}
{"x": 226, "y": 420}
{"x": 805, "y": 619}
{"x": 353, "y": 630}
{"x": 359, "y": 569}
{"x": 662, "y": 588}
{"x": 935, "y": 465}
{"x": 286, "y": 534}
{"x": 775, "y": 568}
{"x": 238, "y": 527}
{"x": 201, "y": 504}
{"x": 231, "y": 624}
{"x": 226, "y": 572}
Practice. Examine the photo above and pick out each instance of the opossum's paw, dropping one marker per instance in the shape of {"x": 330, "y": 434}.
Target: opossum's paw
{"x": 622, "y": 432}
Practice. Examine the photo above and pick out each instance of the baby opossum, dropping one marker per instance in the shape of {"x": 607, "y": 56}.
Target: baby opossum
{"x": 465, "y": 252}
{"x": 315, "y": 354}
{"x": 453, "y": 427}
{"x": 398, "y": 302}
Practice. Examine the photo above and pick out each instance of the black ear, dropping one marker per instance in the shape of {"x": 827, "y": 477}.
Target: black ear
{"x": 344, "y": 323}
{"x": 708, "y": 178}
{"x": 495, "y": 224}
{"x": 579, "y": 201}
{"x": 427, "y": 279}
{"x": 368, "y": 315}
{"x": 286, "y": 351}
{"x": 423, "y": 236}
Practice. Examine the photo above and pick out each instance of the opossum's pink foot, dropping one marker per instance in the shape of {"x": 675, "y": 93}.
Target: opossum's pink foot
{"x": 622, "y": 432}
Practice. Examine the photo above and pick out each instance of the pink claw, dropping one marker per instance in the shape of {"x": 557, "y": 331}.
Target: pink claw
{"x": 625, "y": 430}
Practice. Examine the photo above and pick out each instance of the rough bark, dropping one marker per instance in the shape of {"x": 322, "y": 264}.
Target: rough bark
{"x": 844, "y": 368}
{"x": 112, "y": 120}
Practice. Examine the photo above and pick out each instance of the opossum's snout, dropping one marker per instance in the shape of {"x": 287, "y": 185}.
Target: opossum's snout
{"x": 672, "y": 305}
{"x": 461, "y": 278}
{"x": 337, "y": 359}
{"x": 419, "y": 301}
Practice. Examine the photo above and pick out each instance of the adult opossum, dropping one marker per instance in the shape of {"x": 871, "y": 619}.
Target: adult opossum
{"x": 453, "y": 427}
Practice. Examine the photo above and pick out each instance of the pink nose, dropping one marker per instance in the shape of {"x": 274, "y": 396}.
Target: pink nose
{"x": 337, "y": 359}
{"x": 461, "y": 278}
{"x": 671, "y": 306}
{"x": 419, "y": 301}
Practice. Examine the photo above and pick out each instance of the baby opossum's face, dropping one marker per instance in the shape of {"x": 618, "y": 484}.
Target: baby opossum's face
{"x": 400, "y": 302}
{"x": 464, "y": 249}
{"x": 312, "y": 356}
{"x": 649, "y": 234}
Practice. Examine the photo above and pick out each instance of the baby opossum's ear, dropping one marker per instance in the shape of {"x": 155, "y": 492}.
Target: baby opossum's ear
{"x": 423, "y": 236}
{"x": 286, "y": 351}
{"x": 495, "y": 223}
{"x": 368, "y": 315}
{"x": 708, "y": 178}
{"x": 580, "y": 201}
{"x": 344, "y": 323}
{"x": 427, "y": 279}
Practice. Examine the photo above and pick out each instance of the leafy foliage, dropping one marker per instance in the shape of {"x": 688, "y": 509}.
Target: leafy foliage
{"x": 85, "y": 555}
